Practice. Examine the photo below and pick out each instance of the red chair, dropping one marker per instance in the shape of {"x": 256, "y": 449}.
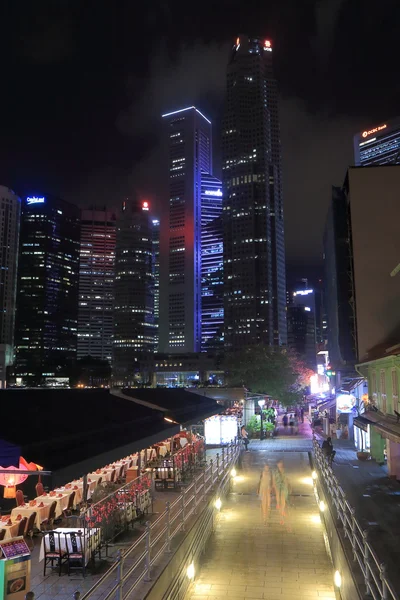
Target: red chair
{"x": 2, "y": 534}
{"x": 30, "y": 526}
{"x": 19, "y": 497}
{"x": 22, "y": 526}
{"x": 39, "y": 488}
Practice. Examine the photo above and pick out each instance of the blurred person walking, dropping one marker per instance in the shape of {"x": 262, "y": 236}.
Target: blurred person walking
{"x": 264, "y": 492}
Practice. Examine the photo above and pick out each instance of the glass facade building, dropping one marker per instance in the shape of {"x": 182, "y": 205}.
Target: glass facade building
{"x": 212, "y": 282}
{"x": 379, "y": 145}
{"x": 156, "y": 275}
{"x": 188, "y": 135}
{"x": 134, "y": 322}
{"x": 96, "y": 284}
{"x": 47, "y": 299}
{"x": 10, "y": 213}
{"x": 254, "y": 249}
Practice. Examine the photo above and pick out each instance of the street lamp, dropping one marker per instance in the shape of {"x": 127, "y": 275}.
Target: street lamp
{"x": 261, "y": 405}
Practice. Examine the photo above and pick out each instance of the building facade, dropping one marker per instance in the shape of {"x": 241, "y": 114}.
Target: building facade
{"x": 378, "y": 145}
{"x": 212, "y": 282}
{"x": 254, "y": 252}
{"x": 134, "y": 323}
{"x": 96, "y": 284}
{"x": 10, "y": 214}
{"x": 156, "y": 275}
{"x": 47, "y": 299}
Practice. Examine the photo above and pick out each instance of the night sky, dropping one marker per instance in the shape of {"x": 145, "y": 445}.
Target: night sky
{"x": 83, "y": 85}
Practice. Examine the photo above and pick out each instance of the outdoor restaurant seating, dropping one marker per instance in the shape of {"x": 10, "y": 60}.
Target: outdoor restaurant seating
{"x": 19, "y": 497}
{"x": 68, "y": 511}
{"x": 76, "y": 551}
{"x": 2, "y": 534}
{"x": 22, "y": 526}
{"x": 49, "y": 522}
{"x": 39, "y": 488}
{"x": 30, "y": 526}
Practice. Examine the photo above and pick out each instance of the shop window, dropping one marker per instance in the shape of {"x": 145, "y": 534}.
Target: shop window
{"x": 383, "y": 391}
{"x": 395, "y": 390}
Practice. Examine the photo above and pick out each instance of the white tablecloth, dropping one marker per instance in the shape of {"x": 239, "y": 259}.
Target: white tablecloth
{"x": 42, "y": 513}
{"x": 90, "y": 545}
{"x": 62, "y": 502}
{"x": 78, "y": 493}
{"x": 11, "y": 531}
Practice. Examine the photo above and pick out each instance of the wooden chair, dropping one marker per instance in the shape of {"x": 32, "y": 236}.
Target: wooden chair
{"x": 22, "y": 526}
{"x": 2, "y": 534}
{"x": 30, "y": 526}
{"x": 113, "y": 472}
{"x": 53, "y": 553}
{"x": 74, "y": 542}
{"x": 68, "y": 511}
{"x": 19, "y": 497}
{"x": 39, "y": 488}
{"x": 49, "y": 522}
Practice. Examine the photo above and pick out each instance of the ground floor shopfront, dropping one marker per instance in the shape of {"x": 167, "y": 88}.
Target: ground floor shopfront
{"x": 383, "y": 434}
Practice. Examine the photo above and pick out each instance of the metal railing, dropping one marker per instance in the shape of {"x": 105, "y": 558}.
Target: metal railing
{"x": 373, "y": 570}
{"x": 135, "y": 564}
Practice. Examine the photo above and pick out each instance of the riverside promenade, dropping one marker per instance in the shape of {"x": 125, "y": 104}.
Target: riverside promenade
{"x": 249, "y": 559}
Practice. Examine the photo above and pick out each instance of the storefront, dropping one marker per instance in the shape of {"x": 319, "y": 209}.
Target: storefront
{"x": 362, "y": 435}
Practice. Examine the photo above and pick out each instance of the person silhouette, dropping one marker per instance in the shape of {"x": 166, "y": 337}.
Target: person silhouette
{"x": 264, "y": 492}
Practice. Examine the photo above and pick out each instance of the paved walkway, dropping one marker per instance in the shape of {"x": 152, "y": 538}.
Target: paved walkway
{"x": 247, "y": 559}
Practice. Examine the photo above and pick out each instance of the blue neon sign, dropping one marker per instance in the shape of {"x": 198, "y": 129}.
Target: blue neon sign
{"x": 35, "y": 200}
{"x": 213, "y": 193}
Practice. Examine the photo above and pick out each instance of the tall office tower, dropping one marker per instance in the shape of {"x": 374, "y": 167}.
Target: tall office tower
{"x": 156, "y": 275}
{"x": 47, "y": 300}
{"x": 96, "y": 284}
{"x": 190, "y": 155}
{"x": 10, "y": 213}
{"x": 134, "y": 327}
{"x": 302, "y": 325}
{"x": 212, "y": 282}
{"x": 254, "y": 251}
{"x": 379, "y": 145}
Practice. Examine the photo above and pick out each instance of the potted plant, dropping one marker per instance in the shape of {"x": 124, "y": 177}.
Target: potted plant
{"x": 269, "y": 429}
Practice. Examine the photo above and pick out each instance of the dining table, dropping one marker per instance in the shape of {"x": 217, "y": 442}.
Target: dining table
{"x": 42, "y": 512}
{"x": 91, "y": 539}
{"x": 11, "y": 530}
{"x": 61, "y": 499}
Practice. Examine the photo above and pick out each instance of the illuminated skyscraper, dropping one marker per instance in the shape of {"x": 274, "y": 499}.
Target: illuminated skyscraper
{"x": 47, "y": 300}
{"x": 254, "y": 249}
{"x": 156, "y": 274}
{"x": 189, "y": 155}
{"x": 96, "y": 284}
{"x": 10, "y": 213}
{"x": 212, "y": 282}
{"x": 134, "y": 323}
{"x": 378, "y": 145}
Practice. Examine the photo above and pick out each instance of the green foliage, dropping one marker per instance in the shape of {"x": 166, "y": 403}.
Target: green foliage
{"x": 267, "y": 370}
{"x": 269, "y": 427}
{"x": 253, "y": 426}
{"x": 269, "y": 415}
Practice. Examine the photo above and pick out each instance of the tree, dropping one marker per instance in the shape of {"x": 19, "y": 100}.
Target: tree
{"x": 264, "y": 370}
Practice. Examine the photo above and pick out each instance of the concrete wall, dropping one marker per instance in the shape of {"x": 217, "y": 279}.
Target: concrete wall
{"x": 374, "y": 200}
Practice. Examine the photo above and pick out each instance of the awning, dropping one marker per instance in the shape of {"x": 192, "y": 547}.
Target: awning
{"x": 361, "y": 423}
{"x": 329, "y": 403}
{"x": 385, "y": 425}
{"x": 350, "y": 385}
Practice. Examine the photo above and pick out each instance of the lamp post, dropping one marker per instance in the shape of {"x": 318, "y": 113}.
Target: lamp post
{"x": 261, "y": 405}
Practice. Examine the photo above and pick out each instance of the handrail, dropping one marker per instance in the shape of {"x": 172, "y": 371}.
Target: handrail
{"x": 158, "y": 535}
{"x": 373, "y": 570}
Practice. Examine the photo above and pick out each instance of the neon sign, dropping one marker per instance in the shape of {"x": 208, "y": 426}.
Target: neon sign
{"x": 213, "y": 193}
{"x": 303, "y": 292}
{"x": 267, "y": 45}
{"x": 145, "y": 205}
{"x": 374, "y": 130}
{"x": 35, "y": 200}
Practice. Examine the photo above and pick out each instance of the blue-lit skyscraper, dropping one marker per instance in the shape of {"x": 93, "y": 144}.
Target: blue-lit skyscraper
{"x": 212, "y": 298}
{"x": 188, "y": 135}
{"x": 378, "y": 145}
{"x": 156, "y": 276}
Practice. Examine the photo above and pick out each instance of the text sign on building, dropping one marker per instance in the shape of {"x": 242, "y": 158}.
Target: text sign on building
{"x": 35, "y": 200}
{"x": 374, "y": 130}
{"x": 213, "y": 193}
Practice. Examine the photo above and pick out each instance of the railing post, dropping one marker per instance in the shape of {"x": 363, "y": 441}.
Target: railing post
{"x": 223, "y": 459}
{"x": 119, "y": 575}
{"x": 366, "y": 560}
{"x": 168, "y": 532}
{"x": 147, "y": 576}
{"x": 183, "y": 511}
{"x": 195, "y": 495}
{"x": 211, "y": 473}
{"x": 217, "y": 465}
{"x": 353, "y": 532}
{"x": 385, "y": 591}
{"x": 204, "y": 481}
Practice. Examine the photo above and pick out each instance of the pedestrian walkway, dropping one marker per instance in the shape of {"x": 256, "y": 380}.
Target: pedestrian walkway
{"x": 247, "y": 559}
{"x": 376, "y": 500}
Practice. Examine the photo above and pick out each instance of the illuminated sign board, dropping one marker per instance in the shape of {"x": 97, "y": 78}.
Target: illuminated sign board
{"x": 145, "y": 205}
{"x": 213, "y": 193}
{"x": 35, "y": 200}
{"x": 303, "y": 292}
{"x": 374, "y": 130}
{"x": 345, "y": 403}
{"x": 267, "y": 45}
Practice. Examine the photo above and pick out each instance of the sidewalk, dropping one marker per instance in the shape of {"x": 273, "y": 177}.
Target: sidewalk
{"x": 376, "y": 500}
{"x": 247, "y": 559}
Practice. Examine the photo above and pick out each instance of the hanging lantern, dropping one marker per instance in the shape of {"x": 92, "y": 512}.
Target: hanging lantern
{"x": 11, "y": 480}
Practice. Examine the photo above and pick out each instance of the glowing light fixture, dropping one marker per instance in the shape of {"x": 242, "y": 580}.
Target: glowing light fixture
{"x": 218, "y": 504}
{"x": 190, "y": 572}
{"x": 233, "y": 472}
{"x": 322, "y": 506}
{"x": 145, "y": 205}
{"x": 314, "y": 475}
{"x": 337, "y": 579}
{"x": 175, "y": 112}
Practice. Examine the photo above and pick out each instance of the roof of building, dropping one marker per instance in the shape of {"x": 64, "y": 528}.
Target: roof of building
{"x": 57, "y": 428}
{"x": 178, "y": 404}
